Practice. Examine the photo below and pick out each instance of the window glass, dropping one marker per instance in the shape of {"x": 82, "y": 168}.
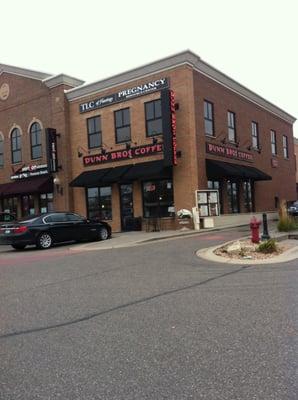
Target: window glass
{"x": 231, "y": 127}
{"x": 247, "y": 191}
{"x": 94, "y": 132}
{"x": 1, "y": 152}
{"x": 273, "y": 142}
{"x": 208, "y": 118}
{"x": 10, "y": 205}
{"x": 153, "y": 118}
{"x": 232, "y": 195}
{"x": 285, "y": 146}
{"x": 158, "y": 198}
{"x": 58, "y": 217}
{"x": 99, "y": 201}
{"x": 255, "y": 135}
{"x": 46, "y": 202}
{"x": 35, "y": 137}
{"x": 16, "y": 146}
{"x": 122, "y": 125}
{"x": 74, "y": 217}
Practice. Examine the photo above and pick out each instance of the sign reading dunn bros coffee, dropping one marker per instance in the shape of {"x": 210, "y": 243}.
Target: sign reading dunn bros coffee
{"x": 140, "y": 151}
{"x": 125, "y": 94}
{"x": 229, "y": 152}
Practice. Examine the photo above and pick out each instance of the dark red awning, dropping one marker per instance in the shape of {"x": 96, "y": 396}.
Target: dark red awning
{"x": 41, "y": 184}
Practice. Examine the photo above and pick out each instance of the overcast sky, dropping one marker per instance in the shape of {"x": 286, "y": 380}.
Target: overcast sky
{"x": 252, "y": 41}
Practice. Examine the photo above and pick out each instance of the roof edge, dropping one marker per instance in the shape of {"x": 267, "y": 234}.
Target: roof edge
{"x": 27, "y": 73}
{"x": 182, "y": 58}
{"x": 62, "y": 79}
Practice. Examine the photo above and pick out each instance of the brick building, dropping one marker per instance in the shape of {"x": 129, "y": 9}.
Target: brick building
{"x": 140, "y": 144}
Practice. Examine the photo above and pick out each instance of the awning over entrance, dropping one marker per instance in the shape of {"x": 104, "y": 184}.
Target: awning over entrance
{"x": 124, "y": 173}
{"x": 41, "y": 184}
{"x": 219, "y": 169}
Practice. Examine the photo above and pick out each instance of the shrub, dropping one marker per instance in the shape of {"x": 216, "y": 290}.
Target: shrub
{"x": 269, "y": 246}
{"x": 287, "y": 224}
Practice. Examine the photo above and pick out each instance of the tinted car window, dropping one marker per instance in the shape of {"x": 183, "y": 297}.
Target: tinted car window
{"x": 57, "y": 218}
{"x": 74, "y": 217}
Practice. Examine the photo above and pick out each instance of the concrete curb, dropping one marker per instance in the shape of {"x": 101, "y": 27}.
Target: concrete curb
{"x": 100, "y": 246}
{"x": 208, "y": 254}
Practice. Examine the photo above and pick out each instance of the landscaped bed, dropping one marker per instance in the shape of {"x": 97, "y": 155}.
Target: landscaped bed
{"x": 246, "y": 250}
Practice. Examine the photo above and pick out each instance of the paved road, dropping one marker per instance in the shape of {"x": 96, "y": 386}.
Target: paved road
{"x": 147, "y": 322}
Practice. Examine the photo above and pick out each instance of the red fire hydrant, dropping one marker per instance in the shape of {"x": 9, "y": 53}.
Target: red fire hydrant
{"x": 254, "y": 227}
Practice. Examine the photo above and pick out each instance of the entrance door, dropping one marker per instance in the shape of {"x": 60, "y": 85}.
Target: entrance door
{"x": 27, "y": 205}
{"x": 233, "y": 196}
{"x": 126, "y": 207}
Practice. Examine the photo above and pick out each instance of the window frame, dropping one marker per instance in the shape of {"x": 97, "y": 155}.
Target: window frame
{"x": 232, "y": 128}
{"x": 255, "y": 135}
{"x": 285, "y": 146}
{"x": 158, "y": 194}
{"x": 273, "y": 142}
{"x": 18, "y": 149}
{"x": 208, "y": 118}
{"x": 39, "y": 132}
{"x": 148, "y": 120}
{"x": 95, "y": 132}
{"x": 1, "y": 151}
{"x": 100, "y": 202}
{"x": 122, "y": 110}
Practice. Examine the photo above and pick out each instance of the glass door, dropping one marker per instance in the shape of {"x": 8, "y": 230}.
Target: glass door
{"x": 27, "y": 205}
{"x": 233, "y": 196}
{"x": 126, "y": 207}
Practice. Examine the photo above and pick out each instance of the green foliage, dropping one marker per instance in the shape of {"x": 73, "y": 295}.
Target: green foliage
{"x": 287, "y": 224}
{"x": 269, "y": 246}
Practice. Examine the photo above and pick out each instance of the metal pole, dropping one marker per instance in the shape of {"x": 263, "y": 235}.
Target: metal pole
{"x": 265, "y": 235}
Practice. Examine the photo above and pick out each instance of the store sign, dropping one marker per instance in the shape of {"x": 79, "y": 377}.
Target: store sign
{"x": 229, "y": 152}
{"x": 173, "y": 126}
{"x": 125, "y": 94}
{"x": 51, "y": 138}
{"x": 134, "y": 152}
{"x": 30, "y": 171}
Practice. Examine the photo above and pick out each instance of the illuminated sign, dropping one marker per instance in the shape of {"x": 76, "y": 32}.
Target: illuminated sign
{"x": 228, "y": 152}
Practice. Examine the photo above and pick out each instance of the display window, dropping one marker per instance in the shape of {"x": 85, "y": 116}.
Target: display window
{"x": 158, "y": 199}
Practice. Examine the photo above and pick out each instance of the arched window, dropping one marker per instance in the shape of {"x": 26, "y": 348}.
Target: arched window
{"x": 1, "y": 151}
{"x": 16, "y": 146}
{"x": 35, "y": 139}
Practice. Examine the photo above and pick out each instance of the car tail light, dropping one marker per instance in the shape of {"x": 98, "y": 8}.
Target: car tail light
{"x": 21, "y": 229}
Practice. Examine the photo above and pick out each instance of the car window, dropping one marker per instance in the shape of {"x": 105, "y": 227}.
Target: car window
{"x": 56, "y": 218}
{"x": 74, "y": 217}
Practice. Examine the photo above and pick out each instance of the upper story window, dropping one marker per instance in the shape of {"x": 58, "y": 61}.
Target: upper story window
{"x": 285, "y": 146}
{"x": 94, "y": 132}
{"x": 1, "y": 151}
{"x": 16, "y": 146}
{"x": 273, "y": 142}
{"x": 208, "y": 118}
{"x": 122, "y": 125}
{"x": 35, "y": 139}
{"x": 255, "y": 135}
{"x": 153, "y": 118}
{"x": 231, "y": 126}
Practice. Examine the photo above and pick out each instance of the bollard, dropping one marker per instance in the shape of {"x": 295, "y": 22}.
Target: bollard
{"x": 265, "y": 235}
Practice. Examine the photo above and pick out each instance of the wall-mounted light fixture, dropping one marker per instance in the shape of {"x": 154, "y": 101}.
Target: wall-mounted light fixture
{"x": 127, "y": 145}
{"x": 81, "y": 150}
{"x": 58, "y": 187}
{"x": 154, "y": 140}
{"x": 224, "y": 141}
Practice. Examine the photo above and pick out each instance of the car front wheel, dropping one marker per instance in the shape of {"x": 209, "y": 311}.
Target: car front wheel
{"x": 44, "y": 241}
{"x": 103, "y": 234}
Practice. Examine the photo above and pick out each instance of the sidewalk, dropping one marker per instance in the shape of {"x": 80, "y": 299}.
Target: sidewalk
{"x": 134, "y": 238}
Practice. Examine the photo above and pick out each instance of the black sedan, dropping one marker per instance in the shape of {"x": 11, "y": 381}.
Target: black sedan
{"x": 293, "y": 209}
{"x": 47, "y": 229}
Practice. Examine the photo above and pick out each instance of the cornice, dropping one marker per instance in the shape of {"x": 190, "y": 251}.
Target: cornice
{"x": 27, "y": 73}
{"x": 62, "y": 79}
{"x": 184, "y": 58}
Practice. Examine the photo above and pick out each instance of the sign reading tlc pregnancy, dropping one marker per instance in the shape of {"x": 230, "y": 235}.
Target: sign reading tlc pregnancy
{"x": 125, "y": 94}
